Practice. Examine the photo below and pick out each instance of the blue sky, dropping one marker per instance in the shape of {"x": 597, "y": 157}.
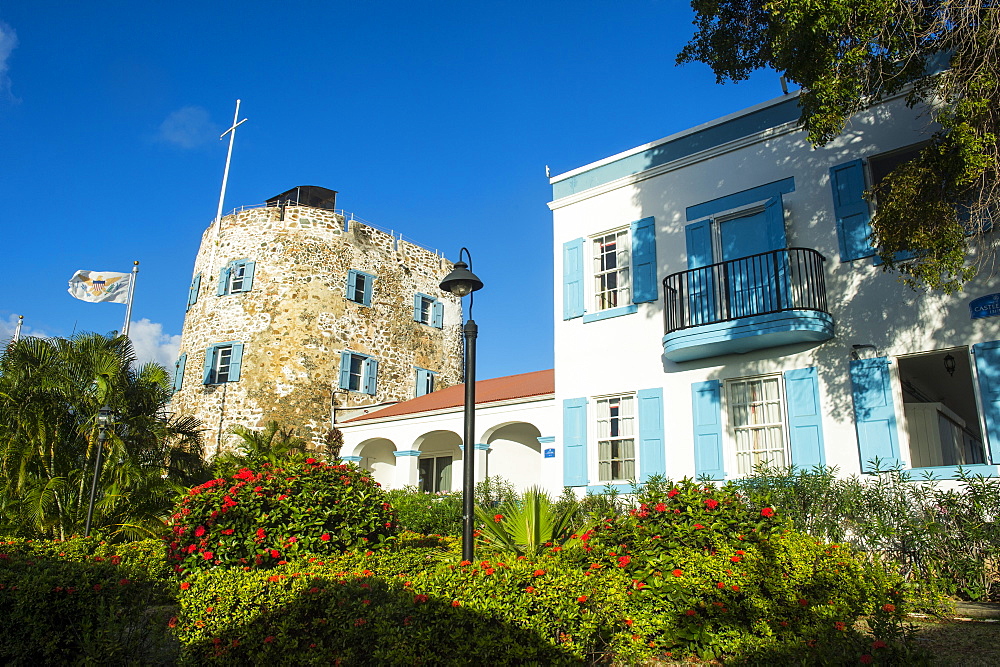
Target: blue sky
{"x": 434, "y": 119}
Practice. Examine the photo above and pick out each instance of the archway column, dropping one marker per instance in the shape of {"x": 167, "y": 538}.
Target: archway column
{"x": 407, "y": 467}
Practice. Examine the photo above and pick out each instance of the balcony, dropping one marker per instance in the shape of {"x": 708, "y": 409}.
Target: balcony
{"x": 756, "y": 302}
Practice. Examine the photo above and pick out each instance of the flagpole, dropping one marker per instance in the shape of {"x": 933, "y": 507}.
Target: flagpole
{"x": 128, "y": 303}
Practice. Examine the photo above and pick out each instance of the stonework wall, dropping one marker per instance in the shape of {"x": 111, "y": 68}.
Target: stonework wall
{"x": 295, "y": 321}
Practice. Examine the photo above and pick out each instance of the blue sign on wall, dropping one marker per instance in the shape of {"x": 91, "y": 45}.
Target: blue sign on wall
{"x": 985, "y": 306}
{"x": 550, "y": 453}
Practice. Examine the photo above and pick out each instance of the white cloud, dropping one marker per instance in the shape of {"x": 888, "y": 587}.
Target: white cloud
{"x": 151, "y": 344}
{"x": 8, "y": 42}
{"x": 188, "y": 127}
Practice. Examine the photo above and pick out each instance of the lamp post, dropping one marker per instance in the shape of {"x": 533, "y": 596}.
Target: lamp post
{"x": 460, "y": 282}
{"x": 103, "y": 418}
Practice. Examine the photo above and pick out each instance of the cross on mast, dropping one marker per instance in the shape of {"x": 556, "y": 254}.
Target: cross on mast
{"x": 225, "y": 175}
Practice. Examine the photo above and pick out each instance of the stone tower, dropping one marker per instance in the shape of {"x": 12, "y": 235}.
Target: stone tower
{"x": 297, "y": 314}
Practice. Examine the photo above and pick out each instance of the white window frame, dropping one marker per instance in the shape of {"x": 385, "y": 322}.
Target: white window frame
{"x": 600, "y": 296}
{"x": 756, "y": 432}
{"x": 426, "y": 308}
{"x": 621, "y": 438}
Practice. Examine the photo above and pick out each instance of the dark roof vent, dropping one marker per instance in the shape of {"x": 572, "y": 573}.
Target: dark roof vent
{"x": 306, "y": 195}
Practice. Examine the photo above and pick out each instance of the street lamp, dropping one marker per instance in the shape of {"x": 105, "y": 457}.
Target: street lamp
{"x": 103, "y": 419}
{"x": 460, "y": 282}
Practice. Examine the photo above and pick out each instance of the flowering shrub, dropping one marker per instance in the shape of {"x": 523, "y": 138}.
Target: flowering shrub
{"x": 357, "y": 609}
{"x": 726, "y": 578}
{"x": 257, "y": 520}
{"x": 81, "y": 601}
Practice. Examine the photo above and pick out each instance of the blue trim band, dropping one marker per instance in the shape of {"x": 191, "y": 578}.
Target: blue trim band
{"x": 482, "y": 446}
{"x": 406, "y": 452}
{"x": 681, "y": 147}
{"x": 599, "y": 489}
{"x": 951, "y": 472}
{"x": 355, "y": 459}
{"x": 747, "y": 334}
{"x": 545, "y": 439}
{"x": 611, "y": 312}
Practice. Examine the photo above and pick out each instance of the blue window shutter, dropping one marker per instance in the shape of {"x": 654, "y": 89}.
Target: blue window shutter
{"x": 644, "y": 286}
{"x": 179, "y": 371}
{"x": 349, "y": 289}
{"x": 575, "y": 442}
{"x": 874, "y": 413}
{"x": 988, "y": 370}
{"x": 345, "y": 370}
{"x": 573, "y": 279}
{"x": 698, "y": 237}
{"x": 422, "y": 382}
{"x": 193, "y": 292}
{"x": 236, "y": 362}
{"x": 706, "y": 407}
{"x": 370, "y": 375}
{"x": 774, "y": 224}
{"x": 248, "y": 275}
{"x": 652, "y": 449}
{"x": 416, "y": 307}
{"x": 437, "y": 315}
{"x": 209, "y": 362}
{"x": 851, "y": 210}
{"x": 367, "y": 298}
{"x": 223, "y": 281}
{"x": 805, "y": 421}
{"x": 700, "y": 299}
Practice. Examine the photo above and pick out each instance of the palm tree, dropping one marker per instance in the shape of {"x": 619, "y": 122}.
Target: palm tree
{"x": 524, "y": 525}
{"x": 50, "y": 393}
{"x": 275, "y": 445}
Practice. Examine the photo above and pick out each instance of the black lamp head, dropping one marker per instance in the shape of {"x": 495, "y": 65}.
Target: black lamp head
{"x": 461, "y": 281}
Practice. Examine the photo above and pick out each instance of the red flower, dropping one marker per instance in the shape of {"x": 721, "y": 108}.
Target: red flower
{"x": 690, "y": 612}
{"x": 420, "y": 598}
{"x": 582, "y": 598}
{"x": 97, "y": 587}
{"x": 628, "y": 622}
{"x": 124, "y": 582}
{"x": 720, "y": 585}
{"x": 185, "y": 585}
{"x": 803, "y": 602}
{"x": 269, "y": 639}
{"x": 497, "y": 518}
{"x": 735, "y": 559}
{"x": 678, "y": 573}
{"x": 325, "y": 537}
{"x": 698, "y": 526}
{"x": 172, "y": 623}
{"x": 736, "y": 588}
{"x": 310, "y": 461}
{"x": 260, "y": 535}
{"x": 624, "y": 561}
{"x": 711, "y": 503}
{"x": 672, "y": 493}
{"x": 207, "y": 555}
{"x": 660, "y": 507}
{"x": 867, "y": 659}
{"x": 466, "y": 562}
{"x": 199, "y": 531}
{"x": 529, "y": 589}
{"x": 878, "y": 643}
{"x": 839, "y": 625}
{"x": 275, "y": 553}
{"x": 489, "y": 570}
{"x": 539, "y": 573}
{"x": 767, "y": 511}
{"x": 889, "y": 608}
{"x": 227, "y": 531}
{"x": 456, "y": 603}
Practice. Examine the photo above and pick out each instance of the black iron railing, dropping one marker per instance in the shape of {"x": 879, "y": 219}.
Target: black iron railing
{"x": 770, "y": 282}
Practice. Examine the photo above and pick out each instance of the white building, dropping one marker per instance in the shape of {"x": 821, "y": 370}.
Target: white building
{"x": 718, "y": 305}
{"x": 419, "y": 442}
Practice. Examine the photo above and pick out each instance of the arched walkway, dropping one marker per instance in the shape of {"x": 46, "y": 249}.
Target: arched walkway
{"x": 514, "y": 453}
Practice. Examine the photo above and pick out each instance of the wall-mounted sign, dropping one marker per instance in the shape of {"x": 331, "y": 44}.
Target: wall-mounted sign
{"x": 550, "y": 453}
{"x": 985, "y": 306}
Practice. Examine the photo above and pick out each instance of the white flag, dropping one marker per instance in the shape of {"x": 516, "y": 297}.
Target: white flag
{"x": 100, "y": 286}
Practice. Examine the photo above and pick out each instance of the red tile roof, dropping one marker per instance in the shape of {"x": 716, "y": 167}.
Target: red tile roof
{"x": 505, "y": 388}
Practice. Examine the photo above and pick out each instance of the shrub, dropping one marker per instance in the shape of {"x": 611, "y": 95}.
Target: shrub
{"x": 428, "y": 513}
{"x": 524, "y": 524}
{"x": 82, "y": 601}
{"x": 516, "y": 613}
{"x": 261, "y": 519}
{"x": 725, "y": 578}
